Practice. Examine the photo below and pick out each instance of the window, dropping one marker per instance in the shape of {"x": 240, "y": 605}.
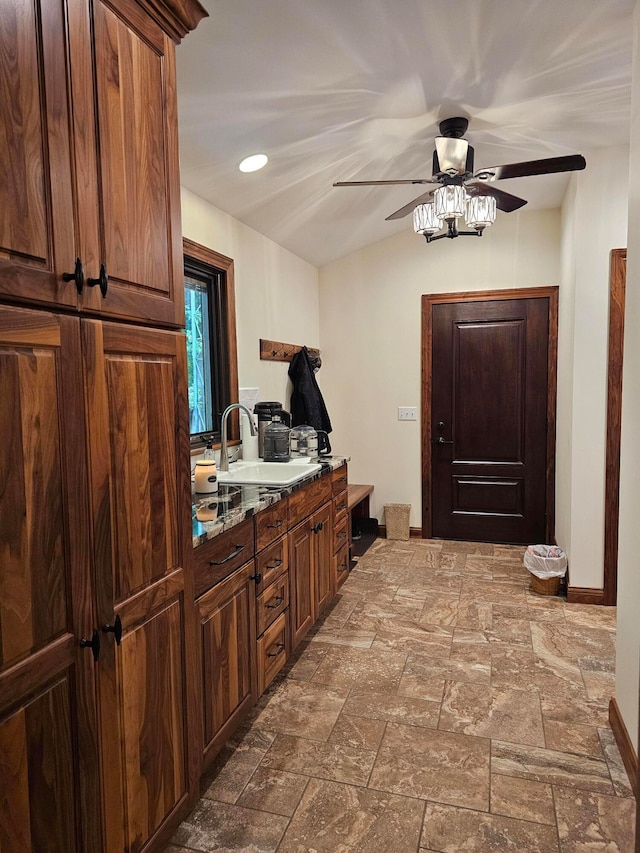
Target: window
{"x": 211, "y": 342}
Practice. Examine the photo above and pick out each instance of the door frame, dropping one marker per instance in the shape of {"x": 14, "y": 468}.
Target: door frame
{"x": 431, "y": 299}
{"x": 617, "y": 287}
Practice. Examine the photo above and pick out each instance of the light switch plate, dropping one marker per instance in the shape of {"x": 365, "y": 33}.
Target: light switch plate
{"x": 407, "y": 413}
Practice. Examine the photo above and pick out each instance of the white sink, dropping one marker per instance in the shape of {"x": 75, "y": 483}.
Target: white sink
{"x": 267, "y": 473}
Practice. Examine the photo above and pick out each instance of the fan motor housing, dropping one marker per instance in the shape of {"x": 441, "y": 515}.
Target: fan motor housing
{"x": 468, "y": 169}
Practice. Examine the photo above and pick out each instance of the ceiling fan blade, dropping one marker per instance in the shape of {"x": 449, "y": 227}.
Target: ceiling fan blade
{"x": 381, "y": 183}
{"x": 452, "y": 155}
{"x": 504, "y": 201}
{"x": 408, "y": 208}
{"x": 571, "y": 163}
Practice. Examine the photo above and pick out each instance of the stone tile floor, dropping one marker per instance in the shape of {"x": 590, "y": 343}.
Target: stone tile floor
{"x": 437, "y": 706}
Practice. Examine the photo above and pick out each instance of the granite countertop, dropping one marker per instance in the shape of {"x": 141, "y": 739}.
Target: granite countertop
{"x": 213, "y": 514}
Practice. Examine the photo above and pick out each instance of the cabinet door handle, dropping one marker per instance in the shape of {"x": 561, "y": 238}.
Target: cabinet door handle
{"x": 102, "y": 281}
{"x": 115, "y": 629}
{"x": 93, "y": 644}
{"x": 77, "y": 275}
{"x": 276, "y": 524}
{"x": 279, "y": 649}
{"x": 257, "y": 577}
{"x": 274, "y": 565}
{"x": 226, "y": 559}
{"x": 278, "y": 601}
{"x": 317, "y": 527}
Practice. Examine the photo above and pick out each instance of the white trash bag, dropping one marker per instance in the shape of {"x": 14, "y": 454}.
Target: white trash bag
{"x": 545, "y": 561}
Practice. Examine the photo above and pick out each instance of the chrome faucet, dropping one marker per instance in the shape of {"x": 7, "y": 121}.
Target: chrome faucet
{"x": 224, "y": 455}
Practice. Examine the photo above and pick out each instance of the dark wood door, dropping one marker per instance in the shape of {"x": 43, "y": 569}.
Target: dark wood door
{"x": 322, "y": 557}
{"x": 301, "y": 595}
{"x": 227, "y": 616}
{"x": 489, "y": 420}
{"x": 49, "y": 796}
{"x": 37, "y": 239}
{"x": 137, "y": 422}
{"x": 125, "y": 123}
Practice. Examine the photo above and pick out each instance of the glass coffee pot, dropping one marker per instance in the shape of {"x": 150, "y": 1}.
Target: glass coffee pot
{"x": 277, "y": 441}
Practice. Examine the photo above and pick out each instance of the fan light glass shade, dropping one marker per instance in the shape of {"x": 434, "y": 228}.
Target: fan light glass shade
{"x": 481, "y": 211}
{"x": 449, "y": 201}
{"x": 425, "y": 220}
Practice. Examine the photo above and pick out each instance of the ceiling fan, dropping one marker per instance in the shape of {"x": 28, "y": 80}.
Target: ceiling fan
{"x": 459, "y": 189}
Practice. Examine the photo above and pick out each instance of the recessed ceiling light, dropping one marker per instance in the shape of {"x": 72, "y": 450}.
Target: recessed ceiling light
{"x": 253, "y": 163}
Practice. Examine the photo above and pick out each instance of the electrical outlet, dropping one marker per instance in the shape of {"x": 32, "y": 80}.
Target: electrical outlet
{"x": 407, "y": 413}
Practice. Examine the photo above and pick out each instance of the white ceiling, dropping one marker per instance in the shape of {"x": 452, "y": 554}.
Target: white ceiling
{"x": 354, "y": 90}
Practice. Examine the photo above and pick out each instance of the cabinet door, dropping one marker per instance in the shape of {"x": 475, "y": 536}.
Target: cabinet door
{"x": 37, "y": 242}
{"x": 323, "y": 558}
{"x": 227, "y": 618}
{"x": 137, "y": 422}
{"x": 301, "y": 591}
{"x": 126, "y": 129}
{"x": 48, "y": 739}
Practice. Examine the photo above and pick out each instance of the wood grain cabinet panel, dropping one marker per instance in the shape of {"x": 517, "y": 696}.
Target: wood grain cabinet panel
{"x": 37, "y": 240}
{"x": 272, "y": 602}
{"x": 273, "y": 651}
{"x": 340, "y": 567}
{"x": 47, "y": 710}
{"x": 227, "y": 616}
{"x": 95, "y": 179}
{"x": 323, "y": 558}
{"x": 137, "y": 421}
{"x": 270, "y": 524}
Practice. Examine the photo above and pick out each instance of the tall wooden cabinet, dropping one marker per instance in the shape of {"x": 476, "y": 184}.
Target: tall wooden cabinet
{"x": 91, "y": 190}
{"x": 95, "y": 539}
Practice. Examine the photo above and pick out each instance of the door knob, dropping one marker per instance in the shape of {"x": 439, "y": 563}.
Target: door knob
{"x": 77, "y": 275}
{"x": 102, "y": 281}
{"x": 93, "y": 644}
{"x": 115, "y": 629}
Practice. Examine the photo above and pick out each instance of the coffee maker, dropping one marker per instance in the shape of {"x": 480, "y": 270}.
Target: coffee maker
{"x": 266, "y": 413}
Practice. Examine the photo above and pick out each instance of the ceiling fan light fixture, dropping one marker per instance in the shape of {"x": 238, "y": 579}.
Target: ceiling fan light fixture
{"x": 449, "y": 201}
{"x": 425, "y": 220}
{"x": 481, "y": 211}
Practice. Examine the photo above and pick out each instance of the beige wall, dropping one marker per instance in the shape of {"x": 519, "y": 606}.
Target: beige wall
{"x": 276, "y": 292}
{"x": 370, "y": 335}
{"x": 628, "y": 638}
{"x": 594, "y": 221}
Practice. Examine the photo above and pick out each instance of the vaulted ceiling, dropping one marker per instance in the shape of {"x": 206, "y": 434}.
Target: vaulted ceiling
{"x": 354, "y": 90}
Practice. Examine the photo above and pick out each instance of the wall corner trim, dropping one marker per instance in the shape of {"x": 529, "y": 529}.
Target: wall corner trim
{"x": 627, "y": 752}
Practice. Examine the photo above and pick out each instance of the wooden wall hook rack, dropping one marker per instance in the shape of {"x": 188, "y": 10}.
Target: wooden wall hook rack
{"x": 277, "y": 351}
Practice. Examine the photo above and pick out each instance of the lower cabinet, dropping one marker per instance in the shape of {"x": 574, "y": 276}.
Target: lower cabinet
{"x": 227, "y": 618}
{"x": 310, "y": 571}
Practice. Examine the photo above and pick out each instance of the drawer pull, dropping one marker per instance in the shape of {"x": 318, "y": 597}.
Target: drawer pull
{"x": 233, "y": 554}
{"x": 279, "y": 649}
{"x": 274, "y": 565}
{"x": 278, "y": 601}
{"x": 340, "y": 507}
{"x": 276, "y": 524}
{"x": 342, "y": 479}
{"x": 342, "y": 534}
{"x": 342, "y": 568}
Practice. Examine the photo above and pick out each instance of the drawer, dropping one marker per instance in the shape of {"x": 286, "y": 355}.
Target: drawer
{"x": 306, "y": 500}
{"x": 340, "y": 507}
{"x": 270, "y": 523}
{"x": 271, "y": 562}
{"x": 341, "y": 566}
{"x": 218, "y": 557}
{"x": 341, "y": 533}
{"x": 272, "y": 602}
{"x": 273, "y": 651}
{"x": 339, "y": 480}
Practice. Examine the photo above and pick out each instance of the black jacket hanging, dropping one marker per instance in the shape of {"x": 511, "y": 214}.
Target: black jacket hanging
{"x": 307, "y": 405}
